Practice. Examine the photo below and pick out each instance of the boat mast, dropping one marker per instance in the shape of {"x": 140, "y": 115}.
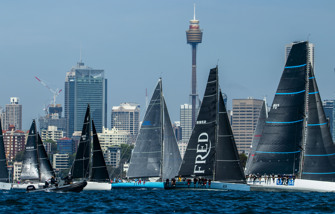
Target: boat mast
{"x": 304, "y": 135}
{"x": 216, "y": 121}
{"x": 162, "y": 127}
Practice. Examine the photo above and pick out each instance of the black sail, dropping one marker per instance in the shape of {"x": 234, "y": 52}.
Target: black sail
{"x": 263, "y": 115}
{"x": 228, "y": 167}
{"x": 46, "y": 170}
{"x": 200, "y": 153}
{"x": 171, "y": 154}
{"x": 80, "y": 166}
{"x": 146, "y": 157}
{"x": 99, "y": 169}
{"x": 319, "y": 153}
{"x": 279, "y": 149}
{"x": 30, "y": 165}
{"x": 3, "y": 162}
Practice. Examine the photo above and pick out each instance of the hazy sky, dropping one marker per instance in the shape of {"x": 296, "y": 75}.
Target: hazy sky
{"x": 136, "y": 42}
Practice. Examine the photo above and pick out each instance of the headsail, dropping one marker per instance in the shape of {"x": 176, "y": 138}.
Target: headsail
{"x": 99, "y": 170}
{"x": 30, "y": 165}
{"x": 228, "y": 167}
{"x": 46, "y": 170}
{"x": 80, "y": 167}
{"x": 263, "y": 115}
{"x": 319, "y": 155}
{"x": 171, "y": 154}
{"x": 3, "y": 162}
{"x": 200, "y": 153}
{"x": 146, "y": 157}
{"x": 279, "y": 149}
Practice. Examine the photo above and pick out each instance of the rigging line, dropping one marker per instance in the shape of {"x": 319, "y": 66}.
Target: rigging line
{"x": 298, "y": 92}
{"x": 297, "y": 121}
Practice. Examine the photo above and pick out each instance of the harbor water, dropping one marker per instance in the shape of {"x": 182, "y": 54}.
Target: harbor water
{"x": 166, "y": 201}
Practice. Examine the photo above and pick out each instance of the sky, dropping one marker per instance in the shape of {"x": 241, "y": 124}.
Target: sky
{"x": 136, "y": 42}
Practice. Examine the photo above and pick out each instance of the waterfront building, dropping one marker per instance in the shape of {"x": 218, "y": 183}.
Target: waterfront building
{"x": 17, "y": 167}
{"x": 113, "y": 156}
{"x": 51, "y": 134}
{"x": 13, "y": 114}
{"x": 60, "y": 161}
{"x": 53, "y": 118}
{"x": 85, "y": 85}
{"x": 113, "y": 137}
{"x": 126, "y": 117}
{"x": 244, "y": 120}
{"x": 66, "y": 146}
{"x": 14, "y": 142}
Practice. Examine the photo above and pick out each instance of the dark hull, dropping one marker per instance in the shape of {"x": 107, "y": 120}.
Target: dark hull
{"x": 75, "y": 187}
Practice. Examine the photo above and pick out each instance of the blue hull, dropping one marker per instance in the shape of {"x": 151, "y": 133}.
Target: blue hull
{"x": 215, "y": 185}
{"x": 136, "y": 185}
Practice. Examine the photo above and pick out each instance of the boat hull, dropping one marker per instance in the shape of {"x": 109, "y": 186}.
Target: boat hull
{"x": 5, "y": 186}
{"x": 75, "y": 187}
{"x": 25, "y": 185}
{"x": 215, "y": 185}
{"x": 91, "y": 185}
{"x": 299, "y": 185}
{"x": 137, "y": 185}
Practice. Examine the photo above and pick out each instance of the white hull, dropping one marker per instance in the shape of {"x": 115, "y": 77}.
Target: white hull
{"x": 25, "y": 185}
{"x": 5, "y": 186}
{"x": 98, "y": 186}
{"x": 299, "y": 185}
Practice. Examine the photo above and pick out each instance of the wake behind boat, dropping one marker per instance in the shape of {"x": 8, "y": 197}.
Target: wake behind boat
{"x": 211, "y": 160}
{"x": 296, "y": 148}
{"x": 156, "y": 155}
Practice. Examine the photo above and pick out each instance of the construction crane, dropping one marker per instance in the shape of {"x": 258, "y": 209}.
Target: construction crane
{"x": 55, "y": 92}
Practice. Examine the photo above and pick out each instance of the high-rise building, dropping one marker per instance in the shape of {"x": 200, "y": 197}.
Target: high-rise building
{"x": 244, "y": 121}
{"x": 2, "y": 117}
{"x": 53, "y": 118}
{"x": 17, "y": 171}
{"x": 85, "y": 85}
{"x": 13, "y": 114}
{"x": 328, "y": 107}
{"x": 186, "y": 121}
{"x": 177, "y": 130}
{"x": 310, "y": 50}
{"x": 65, "y": 146}
{"x": 194, "y": 37}
{"x": 126, "y": 117}
{"x": 113, "y": 156}
{"x": 14, "y": 142}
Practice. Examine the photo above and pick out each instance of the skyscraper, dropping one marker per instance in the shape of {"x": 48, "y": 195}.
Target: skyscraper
{"x": 194, "y": 37}
{"x": 244, "y": 121}
{"x": 126, "y": 117}
{"x": 186, "y": 121}
{"x": 85, "y": 85}
{"x": 13, "y": 114}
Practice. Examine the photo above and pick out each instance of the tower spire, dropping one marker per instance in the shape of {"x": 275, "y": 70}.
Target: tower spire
{"x": 194, "y": 12}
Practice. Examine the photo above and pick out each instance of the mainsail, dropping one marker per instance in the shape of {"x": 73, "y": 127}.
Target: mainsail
{"x": 46, "y": 170}
{"x": 156, "y": 152}
{"x": 30, "y": 165}
{"x": 279, "y": 149}
{"x": 99, "y": 170}
{"x": 263, "y": 115}
{"x": 147, "y": 155}
{"x": 319, "y": 151}
{"x": 3, "y": 162}
{"x": 227, "y": 162}
{"x": 80, "y": 167}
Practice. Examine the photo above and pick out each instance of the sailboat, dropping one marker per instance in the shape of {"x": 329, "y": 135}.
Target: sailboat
{"x": 156, "y": 156}
{"x": 90, "y": 164}
{"x": 211, "y": 159}
{"x": 36, "y": 167}
{"x": 4, "y": 176}
{"x": 295, "y": 150}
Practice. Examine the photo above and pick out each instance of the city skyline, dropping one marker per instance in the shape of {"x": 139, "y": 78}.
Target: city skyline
{"x": 137, "y": 43}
